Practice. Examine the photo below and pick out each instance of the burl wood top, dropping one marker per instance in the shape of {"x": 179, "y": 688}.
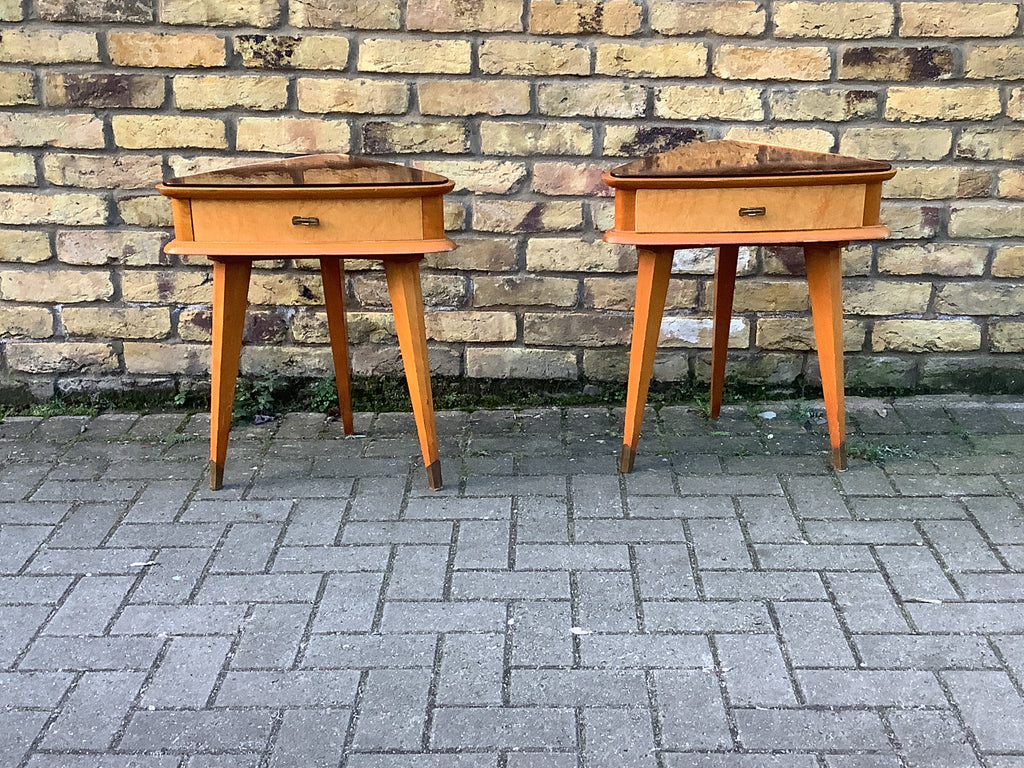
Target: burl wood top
{"x": 727, "y": 158}
{"x": 329, "y": 170}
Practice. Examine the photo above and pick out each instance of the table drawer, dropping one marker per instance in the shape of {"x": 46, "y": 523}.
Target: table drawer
{"x": 307, "y": 221}
{"x": 750, "y": 209}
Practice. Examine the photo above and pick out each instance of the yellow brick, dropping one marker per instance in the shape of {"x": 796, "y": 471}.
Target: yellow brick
{"x": 419, "y": 137}
{"x": 149, "y": 358}
{"x": 701, "y": 102}
{"x": 285, "y": 289}
{"x": 1011, "y": 183}
{"x": 102, "y": 90}
{"x": 165, "y": 286}
{"x": 797, "y": 334}
{"x": 683, "y": 59}
{"x": 991, "y": 144}
{"x": 559, "y": 178}
{"x": 518, "y": 363}
{"x": 925, "y": 336}
{"x": 471, "y": 327}
{"x": 761, "y": 295}
{"x": 24, "y": 246}
{"x": 175, "y": 50}
{"x": 1015, "y": 104}
{"x": 103, "y": 172}
{"x": 16, "y": 88}
{"x": 833, "y": 105}
{"x": 69, "y": 209}
{"x": 215, "y": 92}
{"x": 63, "y": 286}
{"x": 514, "y": 57}
{"x": 74, "y": 131}
{"x": 592, "y": 99}
{"x": 358, "y": 14}
{"x": 1006, "y": 336}
{"x": 811, "y": 139}
{"x": 17, "y": 169}
{"x": 465, "y": 15}
{"x": 986, "y": 220}
{"x": 957, "y": 19}
{"x": 250, "y": 13}
{"x": 885, "y": 297}
{"x": 107, "y": 246}
{"x": 682, "y": 17}
{"x": 999, "y": 298}
{"x": 474, "y": 97}
{"x": 154, "y": 131}
{"x": 46, "y": 46}
{"x": 33, "y": 322}
{"x": 487, "y": 254}
{"x": 619, "y": 293}
{"x": 888, "y": 63}
{"x": 525, "y": 216}
{"x": 292, "y": 134}
{"x": 426, "y": 56}
{"x": 844, "y": 20}
{"x": 524, "y": 291}
{"x": 897, "y": 143}
{"x": 746, "y": 62}
{"x": 696, "y": 332}
{"x": 480, "y": 176}
{"x": 10, "y": 10}
{"x": 355, "y": 96}
{"x": 584, "y": 17}
{"x": 928, "y": 183}
{"x": 117, "y": 322}
{"x": 701, "y": 261}
{"x": 910, "y": 221}
{"x": 585, "y": 329}
{"x": 1008, "y": 261}
{"x": 515, "y": 138}
{"x": 145, "y": 211}
{"x": 560, "y": 254}
{"x": 933, "y": 259}
{"x": 916, "y": 105}
{"x": 77, "y": 357}
{"x": 995, "y": 61}
{"x": 322, "y": 52}
{"x": 637, "y": 140}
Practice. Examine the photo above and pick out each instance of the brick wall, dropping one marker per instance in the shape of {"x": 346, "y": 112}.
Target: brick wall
{"x": 523, "y": 103}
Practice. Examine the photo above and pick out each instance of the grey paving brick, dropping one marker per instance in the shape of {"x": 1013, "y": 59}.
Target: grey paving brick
{"x": 393, "y": 710}
{"x": 187, "y": 673}
{"x": 719, "y": 544}
{"x": 260, "y": 588}
{"x": 692, "y": 711}
{"x": 572, "y": 557}
{"x": 503, "y": 728}
{"x": 33, "y": 590}
{"x": 903, "y": 508}
{"x": 664, "y": 572}
{"x": 179, "y": 620}
{"x": 1011, "y": 649}
{"x": 865, "y": 602}
{"x": 1001, "y": 519}
{"x": 84, "y": 490}
{"x": 284, "y": 688}
{"x": 861, "y": 532}
{"x": 739, "y": 760}
{"x": 542, "y": 520}
{"x": 458, "y": 616}
{"x": 633, "y": 651}
{"x": 361, "y": 651}
{"x": 230, "y": 511}
{"x": 870, "y": 688}
{"x": 990, "y": 586}
{"x": 815, "y": 557}
{"x": 991, "y": 707}
{"x": 329, "y": 559}
{"x": 960, "y": 546}
{"x": 915, "y": 574}
{"x": 247, "y": 547}
{"x": 812, "y": 635}
{"x": 542, "y": 634}
{"x": 158, "y": 535}
{"x": 202, "y": 731}
{"x": 767, "y": 585}
{"x": 313, "y": 523}
{"x": 510, "y": 585}
{"x": 515, "y": 485}
{"x": 68, "y": 760}
{"x": 542, "y": 760}
{"x": 754, "y": 670}
{"x": 596, "y": 496}
{"x": 33, "y": 512}
{"x": 649, "y": 482}
{"x": 311, "y": 739}
{"x": 483, "y": 544}
{"x": 407, "y": 532}
{"x": 863, "y": 761}
{"x": 175, "y": 575}
{"x": 87, "y": 526}
{"x": 18, "y": 544}
{"x": 160, "y": 501}
{"x": 730, "y": 485}
{"x": 807, "y": 730}
{"x": 629, "y": 531}
{"x": 579, "y": 687}
{"x": 815, "y": 498}
{"x": 607, "y": 602}
{"x": 769, "y": 519}
{"x": 91, "y": 606}
{"x": 18, "y": 729}
{"x": 933, "y": 652}
{"x": 104, "y": 653}
{"x": 968, "y": 618}
{"x": 92, "y": 713}
{"x": 98, "y": 562}
{"x": 619, "y": 738}
{"x": 932, "y": 740}
{"x": 706, "y": 616}
{"x": 418, "y": 573}
{"x": 349, "y": 602}
{"x": 472, "y": 669}
{"x": 864, "y": 479}
{"x": 446, "y": 508}
{"x": 34, "y": 690}
{"x": 432, "y": 760}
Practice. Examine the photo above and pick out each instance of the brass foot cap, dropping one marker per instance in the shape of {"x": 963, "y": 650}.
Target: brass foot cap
{"x": 434, "y": 476}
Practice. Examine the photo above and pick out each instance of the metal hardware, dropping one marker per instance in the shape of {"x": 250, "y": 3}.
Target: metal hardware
{"x": 758, "y": 210}
{"x": 305, "y": 221}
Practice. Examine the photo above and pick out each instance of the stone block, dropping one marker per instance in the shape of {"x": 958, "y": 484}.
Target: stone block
{"x": 637, "y": 140}
{"x": 61, "y": 357}
{"x": 619, "y": 293}
{"x": 794, "y": 334}
{"x": 811, "y": 139}
{"x": 292, "y": 134}
{"x": 986, "y": 220}
{"x": 585, "y": 17}
{"x": 105, "y": 11}
{"x": 1011, "y": 183}
{"x": 503, "y": 216}
{"x": 474, "y": 97}
{"x": 117, "y": 322}
{"x": 923, "y": 182}
{"x": 214, "y": 13}
{"x": 499, "y": 56}
{"x": 486, "y": 254}
{"x": 1001, "y": 298}
{"x": 761, "y": 295}
{"x": 67, "y": 209}
{"x": 158, "y": 131}
{"x": 471, "y": 327}
{"x": 679, "y": 59}
{"x": 480, "y": 176}
{"x": 33, "y": 322}
{"x": 948, "y": 259}
{"x": 464, "y": 15}
{"x": 592, "y": 99}
{"x": 910, "y": 221}
{"x": 148, "y": 357}
{"x": 1008, "y": 261}
{"x": 834, "y": 105}
{"x": 535, "y": 138}
{"x": 688, "y": 331}
{"x": 558, "y": 178}
{"x": 917, "y": 104}
{"x": 957, "y": 19}
{"x": 355, "y": 14}
{"x": 733, "y": 18}
{"x": 17, "y": 169}
{"x": 702, "y": 102}
{"x": 749, "y": 62}
{"x": 417, "y": 137}
{"x": 1002, "y": 143}
{"x": 255, "y": 92}
{"x": 888, "y": 63}
{"x": 10, "y": 10}
{"x": 1000, "y": 62}
{"x": 561, "y": 254}
{"x": 172, "y": 50}
{"x": 323, "y": 52}
{"x": 1006, "y": 336}
{"x": 582, "y": 329}
{"x": 353, "y": 96}
{"x": 17, "y": 87}
{"x": 925, "y": 336}
{"x": 1015, "y": 104}
{"x": 102, "y": 91}
{"x": 450, "y": 57}
{"x": 63, "y": 286}
{"x": 876, "y": 297}
{"x": 48, "y": 46}
{"x": 24, "y": 246}
{"x": 519, "y": 363}
{"x": 524, "y": 290}
{"x": 70, "y": 131}
{"x": 837, "y": 20}
{"x": 103, "y": 172}
{"x": 171, "y": 286}
{"x": 896, "y": 143}
{"x": 147, "y": 211}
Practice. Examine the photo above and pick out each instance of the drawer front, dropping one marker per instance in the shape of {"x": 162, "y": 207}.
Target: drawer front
{"x": 307, "y": 221}
{"x": 750, "y": 209}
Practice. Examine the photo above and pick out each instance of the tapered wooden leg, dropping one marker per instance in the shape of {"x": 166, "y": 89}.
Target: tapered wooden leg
{"x": 725, "y": 284}
{"x": 824, "y": 281}
{"x": 407, "y": 303}
{"x": 653, "y": 270}
{"x": 230, "y": 289}
{"x": 332, "y": 272}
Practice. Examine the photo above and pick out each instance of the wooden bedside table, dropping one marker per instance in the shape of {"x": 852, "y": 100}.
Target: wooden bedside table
{"x": 329, "y": 207}
{"x": 728, "y": 194}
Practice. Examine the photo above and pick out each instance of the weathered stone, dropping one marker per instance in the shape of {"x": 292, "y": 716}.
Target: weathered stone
{"x": 739, "y": 62}
{"x": 17, "y": 87}
{"x": 292, "y": 134}
{"x": 1004, "y": 62}
{"x": 465, "y": 15}
{"x": 471, "y": 326}
{"x": 897, "y": 143}
{"x": 811, "y": 139}
{"x": 877, "y": 62}
{"x": 288, "y": 52}
{"x": 1011, "y": 183}
{"x": 558, "y": 178}
{"x": 619, "y": 293}
{"x": 422, "y": 56}
{"x": 147, "y": 357}
{"x": 24, "y": 246}
{"x": 927, "y": 183}
{"x": 105, "y": 246}
{"x": 796, "y": 334}
{"x": 948, "y": 259}
{"x": 33, "y": 208}
{"x": 525, "y": 216}
{"x": 50, "y": 357}
{"x": 925, "y": 335}
{"x": 957, "y": 19}
{"x": 684, "y": 331}
{"x": 560, "y": 254}
{"x": 1000, "y": 298}
{"x": 117, "y": 322}
{"x": 32, "y": 322}
{"x": 17, "y": 169}
{"x": 700, "y": 102}
{"x": 735, "y": 18}
{"x": 145, "y": 211}
{"x": 498, "y": 56}
{"x": 641, "y": 140}
{"x": 1006, "y": 336}
{"x": 593, "y": 99}
{"x": 176, "y": 50}
{"x": 519, "y": 363}
{"x": 71, "y": 131}
{"x": 102, "y": 91}
{"x": 100, "y": 172}
{"x": 986, "y": 220}
{"x": 419, "y": 137}
{"x": 357, "y": 14}
{"x": 480, "y": 176}
{"x": 486, "y": 254}
{"x": 991, "y": 143}
{"x": 1008, "y": 261}
{"x": 576, "y": 329}
{"x": 830, "y": 104}
{"x": 167, "y": 286}
{"x": 154, "y": 131}
{"x": 117, "y": 11}
{"x": 920, "y": 103}
{"x": 885, "y": 298}
{"x": 63, "y": 286}
{"x": 524, "y": 290}
{"x": 685, "y": 59}
{"x": 474, "y": 97}
{"x": 47, "y": 46}
{"x": 760, "y": 295}
{"x": 250, "y": 13}
{"x": 585, "y": 17}
{"x": 246, "y": 92}
{"x": 843, "y": 20}
{"x": 530, "y": 138}
{"x": 355, "y": 96}
{"x": 911, "y": 221}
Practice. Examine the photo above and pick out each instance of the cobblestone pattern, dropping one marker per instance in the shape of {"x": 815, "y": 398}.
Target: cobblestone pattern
{"x": 732, "y": 603}
{"x": 523, "y": 103}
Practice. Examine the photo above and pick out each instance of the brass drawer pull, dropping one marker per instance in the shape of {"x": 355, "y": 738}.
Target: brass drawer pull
{"x": 305, "y": 221}
{"x": 759, "y": 210}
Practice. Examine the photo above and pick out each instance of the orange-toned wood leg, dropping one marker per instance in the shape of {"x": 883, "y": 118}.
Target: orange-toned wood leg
{"x": 332, "y": 272}
{"x": 230, "y": 290}
{"x": 407, "y": 304}
{"x": 824, "y": 281}
{"x": 725, "y": 284}
{"x": 653, "y": 270}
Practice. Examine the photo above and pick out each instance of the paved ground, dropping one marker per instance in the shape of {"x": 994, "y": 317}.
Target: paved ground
{"x": 732, "y": 603}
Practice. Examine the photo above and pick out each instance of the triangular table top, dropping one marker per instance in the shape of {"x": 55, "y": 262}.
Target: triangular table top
{"x": 312, "y": 171}
{"x": 726, "y": 158}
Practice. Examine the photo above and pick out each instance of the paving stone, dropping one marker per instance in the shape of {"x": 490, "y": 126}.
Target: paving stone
{"x": 619, "y": 738}
{"x": 393, "y": 710}
{"x": 606, "y": 602}
{"x": 349, "y": 602}
{"x": 932, "y": 740}
{"x": 991, "y": 707}
{"x": 815, "y": 557}
{"x": 418, "y": 573}
{"x": 870, "y": 688}
{"x": 18, "y": 729}
{"x": 578, "y": 687}
{"x": 914, "y": 573}
{"x": 932, "y": 652}
{"x": 313, "y": 739}
{"x": 188, "y": 732}
{"x": 807, "y": 730}
{"x": 285, "y": 688}
{"x": 34, "y": 690}
{"x": 960, "y": 546}
{"x": 91, "y": 606}
{"x": 327, "y": 559}
{"x": 704, "y": 617}
{"x": 632, "y": 651}
{"x": 754, "y": 670}
{"x": 107, "y": 653}
{"x": 812, "y": 634}
{"x": 769, "y": 519}
{"x": 92, "y": 714}
{"x": 472, "y": 670}
{"x": 865, "y": 602}
{"x": 359, "y": 651}
{"x": 187, "y": 673}
{"x": 692, "y": 710}
{"x": 503, "y": 728}
{"x": 173, "y": 576}
{"x": 542, "y": 634}
{"x": 664, "y": 572}
{"x": 483, "y": 544}
{"x": 460, "y": 616}
{"x": 719, "y": 544}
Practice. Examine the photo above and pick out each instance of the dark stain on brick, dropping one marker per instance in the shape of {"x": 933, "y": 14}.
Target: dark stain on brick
{"x": 377, "y": 138}
{"x": 791, "y": 258}
{"x": 591, "y": 23}
{"x": 306, "y": 293}
{"x": 272, "y": 52}
{"x": 203, "y": 320}
{"x": 98, "y": 90}
{"x": 657, "y": 138}
{"x": 265, "y": 327}
{"x": 929, "y": 63}
{"x": 533, "y": 221}
{"x": 931, "y": 217}
{"x": 124, "y": 11}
